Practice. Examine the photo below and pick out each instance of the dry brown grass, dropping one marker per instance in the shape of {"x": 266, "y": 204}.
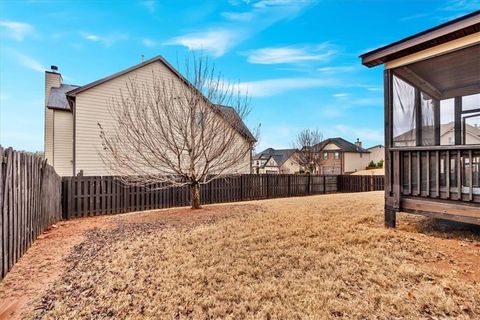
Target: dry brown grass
{"x": 298, "y": 258}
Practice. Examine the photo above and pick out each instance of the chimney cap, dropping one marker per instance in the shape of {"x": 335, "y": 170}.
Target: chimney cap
{"x": 54, "y": 68}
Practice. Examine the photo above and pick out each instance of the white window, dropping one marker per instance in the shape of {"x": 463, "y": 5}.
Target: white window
{"x": 325, "y": 155}
{"x": 336, "y": 155}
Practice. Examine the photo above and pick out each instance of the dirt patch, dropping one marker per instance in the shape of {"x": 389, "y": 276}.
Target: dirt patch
{"x": 45, "y": 261}
{"x": 456, "y": 245}
{"x": 42, "y": 264}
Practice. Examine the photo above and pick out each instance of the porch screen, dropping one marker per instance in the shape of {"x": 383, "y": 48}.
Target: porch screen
{"x": 404, "y": 133}
{"x": 428, "y": 118}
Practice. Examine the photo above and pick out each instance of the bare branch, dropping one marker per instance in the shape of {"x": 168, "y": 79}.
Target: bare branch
{"x": 177, "y": 132}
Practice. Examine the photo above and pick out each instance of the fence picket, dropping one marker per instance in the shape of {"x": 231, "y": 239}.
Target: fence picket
{"x": 30, "y": 201}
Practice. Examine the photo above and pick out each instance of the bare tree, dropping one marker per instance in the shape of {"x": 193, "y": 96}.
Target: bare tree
{"x": 307, "y": 155}
{"x": 178, "y": 131}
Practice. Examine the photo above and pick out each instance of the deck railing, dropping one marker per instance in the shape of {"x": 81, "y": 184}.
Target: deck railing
{"x": 450, "y": 172}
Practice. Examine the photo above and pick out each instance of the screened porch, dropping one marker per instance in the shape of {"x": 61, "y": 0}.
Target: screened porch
{"x": 434, "y": 136}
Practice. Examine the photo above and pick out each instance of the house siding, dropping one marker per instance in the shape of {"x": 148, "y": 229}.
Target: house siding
{"x": 51, "y": 80}
{"x": 290, "y": 166}
{"x": 63, "y": 141}
{"x": 355, "y": 161}
{"x": 92, "y": 109}
{"x": 331, "y": 165}
{"x": 377, "y": 153}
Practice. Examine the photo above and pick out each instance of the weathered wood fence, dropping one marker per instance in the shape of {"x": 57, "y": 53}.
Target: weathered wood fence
{"x": 30, "y": 201}
{"x": 91, "y": 196}
{"x": 351, "y": 183}
{"x": 33, "y": 196}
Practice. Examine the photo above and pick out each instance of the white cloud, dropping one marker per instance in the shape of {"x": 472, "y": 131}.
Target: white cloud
{"x": 238, "y": 16}
{"x": 271, "y": 87}
{"x": 362, "y": 133}
{"x": 28, "y": 62}
{"x": 278, "y": 55}
{"x": 271, "y": 3}
{"x": 149, "y": 42}
{"x": 240, "y": 25}
{"x": 336, "y": 69}
{"x": 17, "y": 30}
{"x": 107, "y": 40}
{"x": 215, "y": 42}
{"x": 343, "y": 94}
{"x": 150, "y": 5}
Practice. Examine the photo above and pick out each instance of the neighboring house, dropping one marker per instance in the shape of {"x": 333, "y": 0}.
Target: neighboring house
{"x": 338, "y": 156}
{"x": 377, "y": 153}
{"x": 275, "y": 161}
{"x": 72, "y": 114}
{"x": 470, "y": 134}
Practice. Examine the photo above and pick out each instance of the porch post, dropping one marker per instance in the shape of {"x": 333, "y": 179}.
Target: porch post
{"x": 390, "y": 211}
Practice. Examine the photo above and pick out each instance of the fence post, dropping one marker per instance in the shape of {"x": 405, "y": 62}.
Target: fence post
{"x": 268, "y": 185}
{"x": 241, "y": 187}
{"x": 308, "y": 184}
{"x": 289, "y": 192}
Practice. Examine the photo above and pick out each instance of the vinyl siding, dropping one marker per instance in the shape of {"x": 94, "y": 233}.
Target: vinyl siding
{"x": 377, "y": 154}
{"x": 92, "y": 109}
{"x": 48, "y": 136}
{"x": 63, "y": 141}
{"x": 51, "y": 80}
{"x": 291, "y": 165}
{"x": 355, "y": 161}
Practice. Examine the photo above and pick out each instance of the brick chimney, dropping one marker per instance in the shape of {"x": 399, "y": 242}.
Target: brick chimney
{"x": 358, "y": 143}
{"x": 53, "y": 79}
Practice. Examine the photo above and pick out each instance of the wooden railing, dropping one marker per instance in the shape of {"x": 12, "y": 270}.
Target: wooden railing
{"x": 450, "y": 173}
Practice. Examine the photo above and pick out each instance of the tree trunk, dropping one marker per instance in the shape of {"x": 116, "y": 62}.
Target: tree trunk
{"x": 195, "y": 195}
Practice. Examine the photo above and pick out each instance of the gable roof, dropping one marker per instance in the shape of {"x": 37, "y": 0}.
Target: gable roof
{"x": 446, "y": 32}
{"x": 376, "y": 146}
{"x": 279, "y": 155}
{"x": 133, "y": 68}
{"x": 232, "y": 117}
{"x": 58, "y": 99}
{"x": 343, "y": 144}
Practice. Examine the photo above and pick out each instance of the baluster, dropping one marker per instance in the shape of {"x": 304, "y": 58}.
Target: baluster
{"x": 470, "y": 165}
{"x": 447, "y": 173}
{"x": 459, "y": 175}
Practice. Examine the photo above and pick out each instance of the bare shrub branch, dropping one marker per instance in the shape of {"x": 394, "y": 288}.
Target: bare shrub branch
{"x": 177, "y": 131}
{"x": 307, "y": 155}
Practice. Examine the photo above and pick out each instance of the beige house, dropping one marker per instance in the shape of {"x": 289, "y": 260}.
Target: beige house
{"x": 72, "y": 115}
{"x": 275, "y": 161}
{"x": 339, "y": 156}
{"x": 377, "y": 153}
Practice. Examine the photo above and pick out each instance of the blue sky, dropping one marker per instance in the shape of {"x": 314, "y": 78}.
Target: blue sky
{"x": 298, "y": 58}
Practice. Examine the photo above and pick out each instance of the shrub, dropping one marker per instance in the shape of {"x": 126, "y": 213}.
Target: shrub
{"x": 372, "y": 164}
{"x": 380, "y": 164}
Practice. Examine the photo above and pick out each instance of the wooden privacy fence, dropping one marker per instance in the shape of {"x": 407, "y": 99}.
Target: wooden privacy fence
{"x": 30, "y": 201}
{"x": 353, "y": 183}
{"x": 91, "y": 196}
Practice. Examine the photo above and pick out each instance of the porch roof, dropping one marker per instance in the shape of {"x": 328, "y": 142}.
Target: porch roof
{"x": 454, "y": 29}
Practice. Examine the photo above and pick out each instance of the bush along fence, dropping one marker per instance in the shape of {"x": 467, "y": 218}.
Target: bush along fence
{"x": 30, "y": 202}
{"x": 91, "y": 196}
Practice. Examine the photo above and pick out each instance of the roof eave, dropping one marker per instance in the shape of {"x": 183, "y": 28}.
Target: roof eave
{"x": 454, "y": 29}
